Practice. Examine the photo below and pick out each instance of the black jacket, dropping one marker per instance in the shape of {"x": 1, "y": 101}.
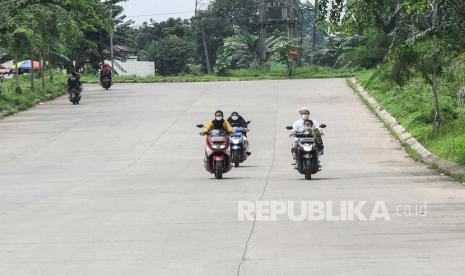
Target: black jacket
{"x": 240, "y": 122}
{"x": 74, "y": 82}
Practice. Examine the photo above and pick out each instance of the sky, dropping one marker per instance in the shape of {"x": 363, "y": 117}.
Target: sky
{"x": 143, "y": 10}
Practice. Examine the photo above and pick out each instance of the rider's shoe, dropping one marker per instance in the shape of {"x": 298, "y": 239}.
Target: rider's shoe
{"x": 248, "y": 153}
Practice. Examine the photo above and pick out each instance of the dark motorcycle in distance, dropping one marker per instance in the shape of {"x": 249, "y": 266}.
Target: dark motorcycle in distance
{"x": 217, "y": 153}
{"x": 74, "y": 95}
{"x": 106, "y": 83}
{"x": 308, "y": 153}
{"x": 239, "y": 145}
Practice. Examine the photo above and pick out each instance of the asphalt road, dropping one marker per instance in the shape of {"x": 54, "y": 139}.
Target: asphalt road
{"x": 116, "y": 186}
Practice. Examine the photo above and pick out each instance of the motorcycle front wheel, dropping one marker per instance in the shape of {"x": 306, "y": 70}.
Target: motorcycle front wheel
{"x": 218, "y": 170}
{"x": 308, "y": 169}
{"x": 236, "y": 156}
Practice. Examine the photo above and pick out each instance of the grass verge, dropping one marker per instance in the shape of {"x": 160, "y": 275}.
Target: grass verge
{"x": 411, "y": 152}
{"x": 235, "y": 75}
{"x": 12, "y": 102}
{"x": 412, "y": 106}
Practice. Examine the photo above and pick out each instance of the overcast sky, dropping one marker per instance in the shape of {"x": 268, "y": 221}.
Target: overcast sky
{"x": 142, "y": 10}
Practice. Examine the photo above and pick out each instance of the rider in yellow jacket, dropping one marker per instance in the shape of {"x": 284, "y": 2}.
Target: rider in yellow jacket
{"x": 218, "y": 123}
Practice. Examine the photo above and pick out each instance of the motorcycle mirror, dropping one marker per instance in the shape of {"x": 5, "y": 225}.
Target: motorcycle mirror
{"x": 289, "y": 127}
{"x": 322, "y": 126}
{"x": 200, "y": 126}
{"x": 248, "y": 122}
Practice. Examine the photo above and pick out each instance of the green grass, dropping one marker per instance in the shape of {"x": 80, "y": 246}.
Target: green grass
{"x": 412, "y": 106}
{"x": 11, "y": 102}
{"x": 235, "y": 75}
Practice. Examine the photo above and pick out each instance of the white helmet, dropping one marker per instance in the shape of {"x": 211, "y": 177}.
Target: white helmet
{"x": 304, "y": 109}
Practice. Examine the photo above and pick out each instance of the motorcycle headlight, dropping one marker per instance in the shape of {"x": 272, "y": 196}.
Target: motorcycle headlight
{"x": 213, "y": 146}
{"x": 235, "y": 140}
{"x": 222, "y": 146}
{"x": 308, "y": 147}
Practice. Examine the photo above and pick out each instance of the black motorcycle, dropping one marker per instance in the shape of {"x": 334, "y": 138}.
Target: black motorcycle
{"x": 308, "y": 152}
{"x": 74, "y": 95}
{"x": 106, "y": 83}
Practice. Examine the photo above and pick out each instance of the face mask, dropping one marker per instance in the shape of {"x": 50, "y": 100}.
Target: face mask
{"x": 235, "y": 118}
{"x": 219, "y": 118}
{"x": 305, "y": 116}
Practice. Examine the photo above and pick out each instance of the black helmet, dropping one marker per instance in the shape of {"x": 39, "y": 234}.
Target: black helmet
{"x": 235, "y": 113}
{"x": 219, "y": 112}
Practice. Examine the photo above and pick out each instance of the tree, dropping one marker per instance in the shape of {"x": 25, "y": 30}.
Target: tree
{"x": 171, "y": 55}
{"x": 238, "y": 51}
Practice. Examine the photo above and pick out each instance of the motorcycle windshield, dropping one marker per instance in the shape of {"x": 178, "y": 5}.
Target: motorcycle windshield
{"x": 304, "y": 135}
{"x": 217, "y": 132}
{"x": 238, "y": 129}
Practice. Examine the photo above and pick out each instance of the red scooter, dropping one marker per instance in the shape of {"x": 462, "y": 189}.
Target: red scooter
{"x": 217, "y": 153}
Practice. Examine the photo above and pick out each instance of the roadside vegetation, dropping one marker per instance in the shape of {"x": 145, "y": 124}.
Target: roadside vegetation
{"x": 410, "y": 56}
{"x": 12, "y": 102}
{"x": 235, "y": 75}
{"x": 411, "y": 106}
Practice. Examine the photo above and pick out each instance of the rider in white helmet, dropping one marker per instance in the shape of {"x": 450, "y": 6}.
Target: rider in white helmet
{"x": 298, "y": 126}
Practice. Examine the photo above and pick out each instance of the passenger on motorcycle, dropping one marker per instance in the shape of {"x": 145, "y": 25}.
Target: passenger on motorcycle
{"x": 218, "y": 123}
{"x": 315, "y": 132}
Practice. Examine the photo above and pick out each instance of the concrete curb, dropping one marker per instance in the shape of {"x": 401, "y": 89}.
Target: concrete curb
{"x": 406, "y": 138}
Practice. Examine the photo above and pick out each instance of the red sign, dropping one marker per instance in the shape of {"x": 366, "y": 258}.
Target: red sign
{"x": 294, "y": 53}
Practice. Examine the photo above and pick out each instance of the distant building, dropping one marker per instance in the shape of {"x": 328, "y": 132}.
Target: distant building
{"x": 133, "y": 67}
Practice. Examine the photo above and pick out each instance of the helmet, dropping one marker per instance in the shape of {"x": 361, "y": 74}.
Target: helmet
{"x": 302, "y": 109}
{"x": 235, "y": 113}
{"x": 219, "y": 112}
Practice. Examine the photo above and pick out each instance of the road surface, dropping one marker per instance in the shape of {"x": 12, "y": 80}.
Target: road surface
{"x": 116, "y": 186}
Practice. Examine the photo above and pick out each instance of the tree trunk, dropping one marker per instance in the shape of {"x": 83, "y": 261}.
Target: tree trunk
{"x": 33, "y": 85}
{"x": 461, "y": 96}
{"x": 50, "y": 71}
{"x": 437, "y": 114}
{"x": 42, "y": 70}
{"x": 205, "y": 48}
{"x": 18, "y": 87}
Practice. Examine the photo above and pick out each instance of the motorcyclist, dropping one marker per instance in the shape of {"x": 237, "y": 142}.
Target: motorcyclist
{"x": 298, "y": 126}
{"x": 236, "y": 120}
{"x": 305, "y": 115}
{"x": 74, "y": 81}
{"x": 105, "y": 71}
{"x": 218, "y": 123}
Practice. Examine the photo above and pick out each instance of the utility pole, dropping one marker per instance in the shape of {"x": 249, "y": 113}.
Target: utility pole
{"x": 291, "y": 23}
{"x": 262, "y": 33}
{"x": 200, "y": 7}
{"x": 315, "y": 12}
{"x": 111, "y": 39}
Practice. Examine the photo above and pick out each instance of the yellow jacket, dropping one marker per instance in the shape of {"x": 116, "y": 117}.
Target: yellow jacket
{"x": 209, "y": 127}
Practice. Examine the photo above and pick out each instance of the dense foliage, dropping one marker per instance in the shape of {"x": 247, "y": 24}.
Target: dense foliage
{"x": 68, "y": 34}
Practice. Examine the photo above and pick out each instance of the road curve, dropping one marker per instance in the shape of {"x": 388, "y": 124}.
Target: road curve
{"x": 115, "y": 186}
